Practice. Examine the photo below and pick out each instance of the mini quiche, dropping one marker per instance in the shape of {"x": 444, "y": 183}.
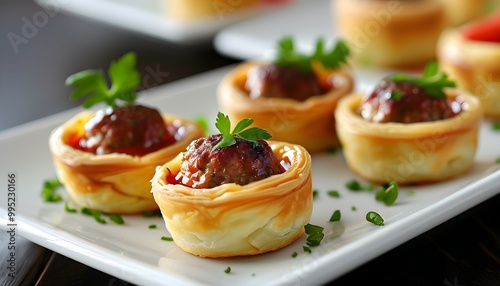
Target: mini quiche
{"x": 410, "y": 129}
{"x": 293, "y": 96}
{"x": 471, "y": 55}
{"x": 105, "y": 159}
{"x": 390, "y": 34}
{"x": 234, "y": 193}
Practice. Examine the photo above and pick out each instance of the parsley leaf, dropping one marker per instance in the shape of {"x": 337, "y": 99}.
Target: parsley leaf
{"x": 432, "y": 80}
{"x": 92, "y": 83}
{"x": 253, "y": 134}
{"x": 330, "y": 59}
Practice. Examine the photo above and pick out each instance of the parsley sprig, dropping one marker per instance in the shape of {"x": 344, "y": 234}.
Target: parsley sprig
{"x": 92, "y": 83}
{"x": 252, "y": 134}
{"x": 329, "y": 59}
{"x": 432, "y": 80}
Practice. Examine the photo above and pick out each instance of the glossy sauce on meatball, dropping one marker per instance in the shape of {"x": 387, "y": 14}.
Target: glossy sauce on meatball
{"x": 283, "y": 82}
{"x": 204, "y": 166}
{"x": 405, "y": 103}
{"x": 134, "y": 130}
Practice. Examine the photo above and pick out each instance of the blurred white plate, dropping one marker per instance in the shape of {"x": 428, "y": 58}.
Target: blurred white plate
{"x": 135, "y": 253}
{"x": 306, "y": 21}
{"x": 148, "y": 17}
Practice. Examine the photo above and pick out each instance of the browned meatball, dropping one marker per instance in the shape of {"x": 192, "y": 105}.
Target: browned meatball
{"x": 283, "y": 82}
{"x": 134, "y": 130}
{"x": 406, "y": 103}
{"x": 203, "y": 166}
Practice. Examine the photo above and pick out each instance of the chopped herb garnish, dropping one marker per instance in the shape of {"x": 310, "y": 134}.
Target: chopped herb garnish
{"x": 151, "y": 214}
{"x": 432, "y": 80}
{"x": 374, "y": 218}
{"x": 49, "y": 190}
{"x": 354, "y": 185}
{"x": 411, "y": 193}
{"x": 152, "y": 226}
{"x": 495, "y": 125}
{"x": 307, "y": 249}
{"x": 388, "y": 194}
{"x": 92, "y": 83}
{"x": 167, "y": 238}
{"x": 396, "y": 95}
{"x": 315, "y": 234}
{"x": 294, "y": 254}
{"x": 228, "y": 270}
{"x": 116, "y": 218}
{"x": 315, "y": 193}
{"x": 335, "y": 216}
{"x": 353, "y": 208}
{"x": 95, "y": 214}
{"x": 497, "y": 161}
{"x": 332, "y": 150}
{"x": 203, "y": 123}
{"x": 253, "y": 134}
{"x": 333, "y": 193}
{"x": 68, "y": 209}
{"x": 288, "y": 56}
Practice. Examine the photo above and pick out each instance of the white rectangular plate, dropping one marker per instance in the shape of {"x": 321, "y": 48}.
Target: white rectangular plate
{"x": 148, "y": 17}
{"x": 135, "y": 253}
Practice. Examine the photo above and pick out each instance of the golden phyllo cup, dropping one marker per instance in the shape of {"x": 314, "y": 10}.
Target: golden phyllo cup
{"x": 409, "y": 153}
{"x": 234, "y": 220}
{"x": 474, "y": 65}
{"x": 309, "y": 123}
{"x": 112, "y": 183}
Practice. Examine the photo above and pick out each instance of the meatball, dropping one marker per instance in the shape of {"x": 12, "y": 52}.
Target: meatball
{"x": 283, "y": 82}
{"x": 203, "y": 166}
{"x": 134, "y": 130}
{"x": 405, "y": 103}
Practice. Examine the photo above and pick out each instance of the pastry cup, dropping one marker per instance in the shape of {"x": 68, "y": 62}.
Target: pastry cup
{"x": 392, "y": 34}
{"x": 309, "y": 123}
{"x": 112, "y": 183}
{"x": 189, "y": 10}
{"x": 233, "y": 220}
{"x": 409, "y": 153}
{"x": 459, "y": 12}
{"x": 474, "y": 65}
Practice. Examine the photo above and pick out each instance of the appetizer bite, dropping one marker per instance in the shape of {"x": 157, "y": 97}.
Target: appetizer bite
{"x": 471, "y": 55}
{"x": 105, "y": 159}
{"x": 459, "y": 12}
{"x": 196, "y": 10}
{"x": 293, "y": 96}
{"x": 392, "y": 34}
{"x": 234, "y": 193}
{"x": 410, "y": 129}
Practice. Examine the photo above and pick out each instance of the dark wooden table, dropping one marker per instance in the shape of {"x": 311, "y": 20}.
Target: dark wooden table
{"x": 462, "y": 251}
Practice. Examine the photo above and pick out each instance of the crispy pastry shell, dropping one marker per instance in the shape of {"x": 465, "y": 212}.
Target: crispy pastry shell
{"x": 309, "y": 123}
{"x": 233, "y": 220}
{"x": 189, "y": 10}
{"x": 459, "y": 12}
{"x": 112, "y": 183}
{"x": 394, "y": 34}
{"x": 409, "y": 152}
{"x": 474, "y": 65}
